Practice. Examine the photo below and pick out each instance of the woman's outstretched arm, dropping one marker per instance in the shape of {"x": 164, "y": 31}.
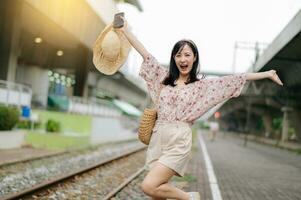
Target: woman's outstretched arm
{"x": 133, "y": 40}
{"x": 271, "y": 74}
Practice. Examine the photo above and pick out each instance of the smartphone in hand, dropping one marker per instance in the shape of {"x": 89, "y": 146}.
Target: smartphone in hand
{"x": 118, "y": 21}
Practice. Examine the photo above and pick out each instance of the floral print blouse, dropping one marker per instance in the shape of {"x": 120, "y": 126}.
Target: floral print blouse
{"x": 187, "y": 103}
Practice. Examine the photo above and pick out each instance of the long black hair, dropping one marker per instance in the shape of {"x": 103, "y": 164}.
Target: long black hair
{"x": 174, "y": 72}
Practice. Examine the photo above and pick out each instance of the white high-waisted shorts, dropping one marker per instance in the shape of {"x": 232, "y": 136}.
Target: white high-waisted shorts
{"x": 170, "y": 145}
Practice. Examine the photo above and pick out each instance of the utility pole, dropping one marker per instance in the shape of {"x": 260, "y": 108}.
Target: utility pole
{"x": 257, "y": 48}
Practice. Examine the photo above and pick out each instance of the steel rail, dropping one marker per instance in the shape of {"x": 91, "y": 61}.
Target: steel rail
{"x": 125, "y": 183}
{"x": 60, "y": 178}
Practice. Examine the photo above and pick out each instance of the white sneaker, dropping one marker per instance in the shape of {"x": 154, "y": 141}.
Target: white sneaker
{"x": 194, "y": 196}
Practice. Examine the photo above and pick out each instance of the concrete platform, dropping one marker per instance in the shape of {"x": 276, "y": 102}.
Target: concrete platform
{"x": 22, "y": 154}
{"x": 244, "y": 173}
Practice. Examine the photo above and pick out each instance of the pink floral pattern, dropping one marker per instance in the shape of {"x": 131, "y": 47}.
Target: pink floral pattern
{"x": 189, "y": 102}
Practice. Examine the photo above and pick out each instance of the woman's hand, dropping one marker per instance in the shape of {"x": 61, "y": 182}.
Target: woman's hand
{"x": 274, "y": 77}
{"x": 271, "y": 74}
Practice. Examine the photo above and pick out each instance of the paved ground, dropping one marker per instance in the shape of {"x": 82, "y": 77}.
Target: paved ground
{"x": 243, "y": 173}
{"x": 197, "y": 169}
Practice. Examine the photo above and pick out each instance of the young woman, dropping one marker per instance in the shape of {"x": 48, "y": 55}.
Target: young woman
{"x": 182, "y": 98}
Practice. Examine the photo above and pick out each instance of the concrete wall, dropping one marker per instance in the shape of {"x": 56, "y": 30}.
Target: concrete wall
{"x": 108, "y": 130}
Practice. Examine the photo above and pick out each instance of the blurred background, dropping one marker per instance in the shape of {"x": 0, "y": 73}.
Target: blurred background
{"x": 50, "y": 87}
{"x": 60, "y": 117}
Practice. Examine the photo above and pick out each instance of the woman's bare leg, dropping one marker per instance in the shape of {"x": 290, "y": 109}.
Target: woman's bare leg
{"x": 155, "y": 184}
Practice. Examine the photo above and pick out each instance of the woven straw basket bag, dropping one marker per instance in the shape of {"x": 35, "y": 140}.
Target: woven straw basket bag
{"x": 147, "y": 123}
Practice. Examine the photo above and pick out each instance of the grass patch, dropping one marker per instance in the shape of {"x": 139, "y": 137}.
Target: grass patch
{"x": 186, "y": 178}
{"x": 56, "y": 141}
{"x": 79, "y": 124}
{"x": 194, "y": 138}
{"x": 194, "y": 133}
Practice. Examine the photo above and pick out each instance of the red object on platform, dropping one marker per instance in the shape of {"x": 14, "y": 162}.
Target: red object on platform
{"x": 217, "y": 115}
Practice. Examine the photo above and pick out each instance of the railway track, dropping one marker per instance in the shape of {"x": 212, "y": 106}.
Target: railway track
{"x": 90, "y": 182}
{"x": 124, "y": 184}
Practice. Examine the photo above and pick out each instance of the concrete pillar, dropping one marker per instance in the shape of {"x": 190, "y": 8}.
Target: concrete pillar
{"x": 10, "y": 28}
{"x": 37, "y": 79}
{"x": 81, "y": 73}
{"x": 285, "y": 123}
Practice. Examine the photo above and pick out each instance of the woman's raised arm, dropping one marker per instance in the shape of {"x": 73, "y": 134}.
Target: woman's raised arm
{"x": 133, "y": 40}
{"x": 271, "y": 74}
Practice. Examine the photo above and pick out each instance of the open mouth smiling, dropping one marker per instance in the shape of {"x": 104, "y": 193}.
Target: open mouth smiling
{"x": 183, "y": 67}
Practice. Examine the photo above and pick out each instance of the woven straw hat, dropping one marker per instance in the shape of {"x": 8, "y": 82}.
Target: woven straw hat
{"x": 110, "y": 50}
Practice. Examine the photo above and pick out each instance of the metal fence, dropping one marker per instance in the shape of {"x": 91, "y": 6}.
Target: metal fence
{"x": 91, "y": 107}
{"x": 15, "y": 94}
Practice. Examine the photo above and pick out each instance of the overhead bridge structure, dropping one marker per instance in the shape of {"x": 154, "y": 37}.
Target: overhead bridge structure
{"x": 264, "y": 107}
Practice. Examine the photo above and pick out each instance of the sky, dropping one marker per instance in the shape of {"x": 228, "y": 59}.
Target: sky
{"x": 214, "y": 25}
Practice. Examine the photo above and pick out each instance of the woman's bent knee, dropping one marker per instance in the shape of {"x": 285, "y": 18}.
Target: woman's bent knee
{"x": 148, "y": 187}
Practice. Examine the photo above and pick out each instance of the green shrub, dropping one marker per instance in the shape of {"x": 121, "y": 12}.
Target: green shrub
{"x": 9, "y": 116}
{"x": 53, "y": 126}
{"x": 277, "y": 124}
{"x": 202, "y": 125}
{"x": 292, "y": 133}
